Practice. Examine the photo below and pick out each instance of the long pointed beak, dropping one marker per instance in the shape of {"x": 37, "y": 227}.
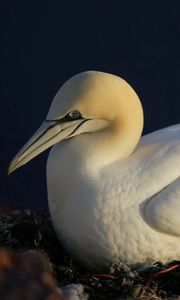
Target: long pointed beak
{"x": 49, "y": 133}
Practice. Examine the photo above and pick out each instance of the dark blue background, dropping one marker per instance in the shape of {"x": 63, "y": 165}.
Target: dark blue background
{"x": 43, "y": 43}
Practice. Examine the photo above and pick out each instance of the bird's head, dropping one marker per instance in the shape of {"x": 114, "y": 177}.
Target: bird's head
{"x": 88, "y": 102}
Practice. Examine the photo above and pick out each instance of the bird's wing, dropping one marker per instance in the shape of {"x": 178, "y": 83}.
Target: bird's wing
{"x": 149, "y": 179}
{"x": 162, "y": 211}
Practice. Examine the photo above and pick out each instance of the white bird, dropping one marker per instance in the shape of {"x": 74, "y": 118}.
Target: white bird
{"x": 114, "y": 196}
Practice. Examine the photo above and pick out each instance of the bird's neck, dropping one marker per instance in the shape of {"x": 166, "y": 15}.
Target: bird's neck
{"x": 111, "y": 144}
{"x": 92, "y": 151}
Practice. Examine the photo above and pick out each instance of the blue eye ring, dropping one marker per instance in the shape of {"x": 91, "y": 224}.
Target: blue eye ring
{"x": 74, "y": 115}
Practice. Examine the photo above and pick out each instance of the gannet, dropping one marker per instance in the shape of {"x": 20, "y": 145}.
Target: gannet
{"x": 113, "y": 195}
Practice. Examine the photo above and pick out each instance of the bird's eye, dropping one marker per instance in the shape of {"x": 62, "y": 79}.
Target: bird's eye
{"x": 74, "y": 115}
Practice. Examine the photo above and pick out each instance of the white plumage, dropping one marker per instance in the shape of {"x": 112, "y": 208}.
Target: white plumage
{"x": 113, "y": 196}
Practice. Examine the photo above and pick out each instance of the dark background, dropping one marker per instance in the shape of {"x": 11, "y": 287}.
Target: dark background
{"x": 43, "y": 43}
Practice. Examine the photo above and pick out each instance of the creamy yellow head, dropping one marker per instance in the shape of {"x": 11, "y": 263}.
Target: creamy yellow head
{"x": 95, "y": 94}
{"x": 89, "y": 102}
